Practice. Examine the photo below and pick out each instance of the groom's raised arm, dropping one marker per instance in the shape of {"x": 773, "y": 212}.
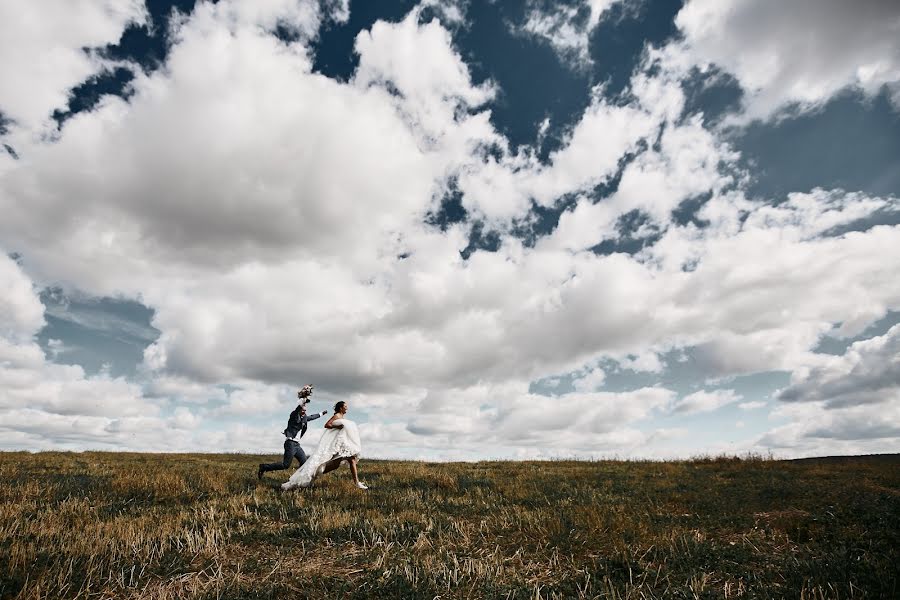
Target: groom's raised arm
{"x": 316, "y": 416}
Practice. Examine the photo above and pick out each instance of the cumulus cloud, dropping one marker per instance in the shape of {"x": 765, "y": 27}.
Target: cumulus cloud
{"x": 434, "y": 320}
{"x": 590, "y": 381}
{"x": 705, "y": 401}
{"x": 779, "y": 284}
{"x": 847, "y": 404}
{"x": 566, "y": 27}
{"x": 439, "y": 104}
{"x": 274, "y": 220}
{"x": 752, "y": 405}
{"x": 506, "y": 415}
{"x": 453, "y": 12}
{"x": 501, "y": 190}
{"x": 183, "y": 390}
{"x": 654, "y": 184}
{"x": 45, "y": 405}
{"x": 813, "y": 429}
{"x": 21, "y": 312}
{"x": 796, "y": 56}
{"x": 645, "y": 362}
{"x": 179, "y": 432}
{"x": 321, "y": 169}
{"x": 254, "y": 399}
{"x": 288, "y": 198}
{"x": 867, "y": 373}
{"x": 42, "y": 51}
{"x": 29, "y": 381}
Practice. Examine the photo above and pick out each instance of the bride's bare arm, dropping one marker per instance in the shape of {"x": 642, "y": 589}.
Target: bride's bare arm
{"x": 331, "y": 425}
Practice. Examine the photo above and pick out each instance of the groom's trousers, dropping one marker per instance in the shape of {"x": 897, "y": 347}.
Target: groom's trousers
{"x": 292, "y": 450}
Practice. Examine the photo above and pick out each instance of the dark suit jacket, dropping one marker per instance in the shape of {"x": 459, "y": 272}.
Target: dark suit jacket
{"x": 297, "y": 423}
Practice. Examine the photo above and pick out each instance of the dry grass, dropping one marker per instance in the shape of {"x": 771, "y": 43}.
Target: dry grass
{"x": 98, "y": 525}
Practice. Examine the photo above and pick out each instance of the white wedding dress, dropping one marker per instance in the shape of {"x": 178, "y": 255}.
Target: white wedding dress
{"x": 340, "y": 442}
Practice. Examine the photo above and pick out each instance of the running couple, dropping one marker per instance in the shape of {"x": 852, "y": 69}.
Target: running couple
{"x": 339, "y": 443}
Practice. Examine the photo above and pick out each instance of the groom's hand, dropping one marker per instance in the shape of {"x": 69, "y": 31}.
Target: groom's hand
{"x": 324, "y": 412}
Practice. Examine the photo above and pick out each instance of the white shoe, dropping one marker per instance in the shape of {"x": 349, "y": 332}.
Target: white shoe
{"x": 362, "y": 486}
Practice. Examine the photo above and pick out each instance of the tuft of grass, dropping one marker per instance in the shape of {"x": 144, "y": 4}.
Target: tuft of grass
{"x": 141, "y": 526}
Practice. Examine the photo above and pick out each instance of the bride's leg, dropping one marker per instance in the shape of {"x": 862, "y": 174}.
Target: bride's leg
{"x": 352, "y": 461}
{"x": 331, "y": 465}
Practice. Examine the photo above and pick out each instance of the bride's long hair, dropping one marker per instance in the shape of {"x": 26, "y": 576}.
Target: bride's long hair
{"x": 339, "y": 407}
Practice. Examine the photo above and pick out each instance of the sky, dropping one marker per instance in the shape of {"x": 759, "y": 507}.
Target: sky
{"x": 499, "y": 230}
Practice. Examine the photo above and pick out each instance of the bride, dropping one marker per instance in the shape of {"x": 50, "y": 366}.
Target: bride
{"x": 339, "y": 443}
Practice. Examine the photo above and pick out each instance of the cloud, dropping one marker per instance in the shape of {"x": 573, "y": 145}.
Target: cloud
{"x": 28, "y": 380}
{"x": 322, "y": 168}
{"x": 775, "y": 286}
{"x": 812, "y": 429}
{"x": 752, "y": 405}
{"x": 21, "y": 311}
{"x": 655, "y": 184}
{"x": 646, "y": 362}
{"x": 867, "y": 373}
{"x": 183, "y": 390}
{"x": 439, "y": 104}
{"x": 705, "y": 401}
{"x": 859, "y": 425}
{"x": 376, "y": 323}
{"x": 296, "y": 205}
{"x": 590, "y": 381}
{"x": 181, "y": 432}
{"x": 42, "y": 51}
{"x": 506, "y": 415}
{"x": 255, "y": 399}
{"x": 662, "y": 160}
{"x": 44, "y": 405}
{"x": 274, "y": 220}
{"x": 592, "y": 152}
{"x": 797, "y": 56}
{"x": 452, "y": 12}
{"x": 847, "y": 404}
{"x": 302, "y": 18}
{"x": 566, "y": 27}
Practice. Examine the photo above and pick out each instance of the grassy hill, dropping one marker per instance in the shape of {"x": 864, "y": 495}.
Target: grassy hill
{"x": 98, "y": 525}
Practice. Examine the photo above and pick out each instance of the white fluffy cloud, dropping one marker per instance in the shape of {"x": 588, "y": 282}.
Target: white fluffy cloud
{"x": 847, "y": 403}
{"x": 590, "y": 381}
{"x": 183, "y": 390}
{"x": 42, "y": 52}
{"x": 646, "y": 362}
{"x": 390, "y": 54}
{"x": 502, "y": 191}
{"x": 752, "y": 405}
{"x": 198, "y": 183}
{"x": 29, "y": 381}
{"x": 45, "y": 405}
{"x": 273, "y": 219}
{"x": 812, "y": 429}
{"x": 567, "y": 27}
{"x": 21, "y": 312}
{"x": 507, "y": 415}
{"x": 867, "y": 373}
{"x": 798, "y": 54}
{"x": 705, "y": 401}
{"x": 236, "y": 153}
{"x": 655, "y": 183}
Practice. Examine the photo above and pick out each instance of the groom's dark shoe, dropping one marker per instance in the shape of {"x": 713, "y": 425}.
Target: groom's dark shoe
{"x": 259, "y": 472}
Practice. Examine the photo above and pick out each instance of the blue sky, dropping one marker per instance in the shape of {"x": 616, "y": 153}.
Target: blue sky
{"x": 499, "y": 229}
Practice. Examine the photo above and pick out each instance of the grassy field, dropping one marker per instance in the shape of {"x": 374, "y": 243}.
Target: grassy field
{"x": 99, "y": 525}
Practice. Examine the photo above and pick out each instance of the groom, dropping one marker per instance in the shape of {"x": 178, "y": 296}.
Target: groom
{"x": 296, "y": 424}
